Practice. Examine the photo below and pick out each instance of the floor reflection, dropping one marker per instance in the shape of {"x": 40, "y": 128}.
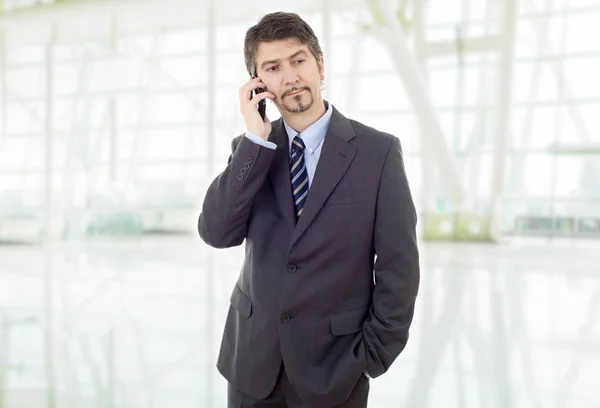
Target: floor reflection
{"x": 138, "y": 324}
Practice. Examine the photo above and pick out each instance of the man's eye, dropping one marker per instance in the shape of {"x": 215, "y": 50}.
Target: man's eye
{"x": 273, "y": 68}
{"x": 299, "y": 61}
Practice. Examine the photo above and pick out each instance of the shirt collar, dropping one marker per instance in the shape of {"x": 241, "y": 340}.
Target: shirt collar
{"x": 314, "y": 134}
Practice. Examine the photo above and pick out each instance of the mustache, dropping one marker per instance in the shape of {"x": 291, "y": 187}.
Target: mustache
{"x": 289, "y": 91}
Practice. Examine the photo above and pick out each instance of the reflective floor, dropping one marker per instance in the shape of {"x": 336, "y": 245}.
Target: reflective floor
{"x": 137, "y": 323}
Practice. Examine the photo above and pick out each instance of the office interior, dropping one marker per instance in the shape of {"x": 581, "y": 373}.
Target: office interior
{"x": 116, "y": 115}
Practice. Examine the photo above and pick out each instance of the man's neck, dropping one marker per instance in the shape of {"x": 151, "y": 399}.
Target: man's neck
{"x": 301, "y": 121}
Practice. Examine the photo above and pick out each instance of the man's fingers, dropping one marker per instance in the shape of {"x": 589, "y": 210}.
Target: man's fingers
{"x": 251, "y": 86}
{"x": 259, "y": 97}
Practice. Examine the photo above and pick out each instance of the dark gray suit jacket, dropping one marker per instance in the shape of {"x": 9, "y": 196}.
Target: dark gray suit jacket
{"x": 333, "y": 295}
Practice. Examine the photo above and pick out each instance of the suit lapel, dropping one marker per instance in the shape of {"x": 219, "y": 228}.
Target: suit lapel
{"x": 336, "y": 156}
{"x": 279, "y": 174}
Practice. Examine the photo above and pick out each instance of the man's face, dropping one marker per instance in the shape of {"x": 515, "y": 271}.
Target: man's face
{"x": 291, "y": 73}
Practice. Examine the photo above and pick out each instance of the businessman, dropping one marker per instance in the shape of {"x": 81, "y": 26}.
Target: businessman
{"x": 327, "y": 290}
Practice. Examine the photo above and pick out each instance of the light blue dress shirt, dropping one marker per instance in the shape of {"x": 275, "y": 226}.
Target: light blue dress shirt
{"x": 313, "y": 138}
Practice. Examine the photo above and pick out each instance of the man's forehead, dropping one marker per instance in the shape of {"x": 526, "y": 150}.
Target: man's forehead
{"x": 279, "y": 49}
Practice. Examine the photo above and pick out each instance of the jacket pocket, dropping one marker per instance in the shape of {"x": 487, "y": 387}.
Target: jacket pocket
{"x": 348, "y": 197}
{"x": 241, "y": 302}
{"x": 348, "y": 322}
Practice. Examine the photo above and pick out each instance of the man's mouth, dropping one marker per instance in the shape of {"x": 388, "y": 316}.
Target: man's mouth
{"x": 295, "y": 92}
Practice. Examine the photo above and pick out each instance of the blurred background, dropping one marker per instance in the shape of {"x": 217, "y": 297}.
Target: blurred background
{"x": 116, "y": 115}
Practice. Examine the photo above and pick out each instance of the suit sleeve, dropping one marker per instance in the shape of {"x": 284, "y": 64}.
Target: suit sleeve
{"x": 224, "y": 218}
{"x": 397, "y": 275}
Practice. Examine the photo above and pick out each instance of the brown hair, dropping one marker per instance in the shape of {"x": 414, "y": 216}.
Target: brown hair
{"x": 279, "y": 26}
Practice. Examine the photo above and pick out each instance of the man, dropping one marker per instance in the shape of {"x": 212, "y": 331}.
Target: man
{"x": 326, "y": 294}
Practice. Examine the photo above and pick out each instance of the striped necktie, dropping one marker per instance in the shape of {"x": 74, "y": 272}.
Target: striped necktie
{"x": 299, "y": 175}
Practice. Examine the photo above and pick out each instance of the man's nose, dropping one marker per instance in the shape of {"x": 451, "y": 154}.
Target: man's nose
{"x": 290, "y": 76}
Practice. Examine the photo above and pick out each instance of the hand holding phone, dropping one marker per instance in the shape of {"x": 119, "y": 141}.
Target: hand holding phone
{"x": 253, "y": 107}
{"x": 262, "y": 104}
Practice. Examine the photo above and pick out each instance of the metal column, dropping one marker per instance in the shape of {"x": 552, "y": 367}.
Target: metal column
{"x": 211, "y": 135}
{"x": 504, "y": 103}
{"x": 48, "y": 132}
{"x": 327, "y": 47}
{"x": 112, "y": 109}
{"x": 50, "y": 222}
{"x": 3, "y": 85}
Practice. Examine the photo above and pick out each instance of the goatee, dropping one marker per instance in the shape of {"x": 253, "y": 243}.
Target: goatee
{"x": 298, "y": 106}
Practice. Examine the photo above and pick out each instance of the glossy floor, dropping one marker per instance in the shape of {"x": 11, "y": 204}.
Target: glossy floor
{"x": 138, "y": 324}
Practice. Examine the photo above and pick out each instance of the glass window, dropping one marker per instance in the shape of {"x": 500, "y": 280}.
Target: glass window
{"x": 588, "y": 116}
{"x": 183, "y": 42}
{"x": 373, "y": 56}
{"x": 173, "y": 108}
{"x": 535, "y": 81}
{"x": 338, "y": 58}
{"x": 164, "y": 143}
{"x": 537, "y": 175}
{"x": 109, "y": 75}
{"x": 342, "y": 26}
{"x": 442, "y": 86}
{"x": 26, "y": 82}
{"x": 568, "y": 176}
{"x": 540, "y": 36}
{"x": 24, "y": 117}
{"x": 231, "y": 69}
{"x": 231, "y": 36}
{"x": 25, "y": 54}
{"x": 581, "y": 32}
{"x": 188, "y": 71}
{"x": 535, "y": 127}
{"x": 378, "y": 93}
{"x": 444, "y": 11}
{"x": 578, "y": 74}
{"x": 68, "y": 78}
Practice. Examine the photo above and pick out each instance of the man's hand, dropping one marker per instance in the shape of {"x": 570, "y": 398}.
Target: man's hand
{"x": 249, "y": 108}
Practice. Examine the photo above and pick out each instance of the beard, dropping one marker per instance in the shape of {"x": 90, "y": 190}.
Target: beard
{"x": 294, "y": 104}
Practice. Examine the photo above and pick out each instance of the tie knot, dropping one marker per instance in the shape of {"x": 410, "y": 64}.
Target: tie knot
{"x": 298, "y": 143}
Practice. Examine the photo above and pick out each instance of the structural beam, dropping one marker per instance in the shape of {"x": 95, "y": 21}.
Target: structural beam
{"x": 212, "y": 139}
{"x": 505, "y": 82}
{"x": 4, "y": 360}
{"x": 327, "y": 45}
{"x": 467, "y": 45}
{"x": 48, "y": 132}
{"x": 112, "y": 111}
{"x": 3, "y": 88}
{"x": 49, "y": 338}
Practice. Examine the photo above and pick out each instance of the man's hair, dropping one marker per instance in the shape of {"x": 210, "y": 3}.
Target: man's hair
{"x": 279, "y": 26}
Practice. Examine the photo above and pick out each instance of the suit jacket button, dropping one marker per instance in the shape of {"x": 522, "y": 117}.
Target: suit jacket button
{"x": 292, "y": 268}
{"x": 246, "y": 166}
{"x": 285, "y": 318}
{"x": 240, "y": 177}
{"x": 249, "y": 159}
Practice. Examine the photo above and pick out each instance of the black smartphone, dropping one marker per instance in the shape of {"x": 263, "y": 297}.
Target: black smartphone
{"x": 262, "y": 105}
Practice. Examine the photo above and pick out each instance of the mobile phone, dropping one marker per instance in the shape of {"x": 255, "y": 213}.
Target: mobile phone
{"x": 262, "y": 105}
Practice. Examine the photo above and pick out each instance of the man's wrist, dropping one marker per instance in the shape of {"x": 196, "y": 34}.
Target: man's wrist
{"x": 260, "y": 141}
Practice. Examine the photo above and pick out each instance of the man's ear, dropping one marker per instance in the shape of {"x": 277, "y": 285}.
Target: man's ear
{"x": 322, "y": 68}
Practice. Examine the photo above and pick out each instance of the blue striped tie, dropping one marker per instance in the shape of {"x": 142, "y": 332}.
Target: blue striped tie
{"x": 299, "y": 175}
